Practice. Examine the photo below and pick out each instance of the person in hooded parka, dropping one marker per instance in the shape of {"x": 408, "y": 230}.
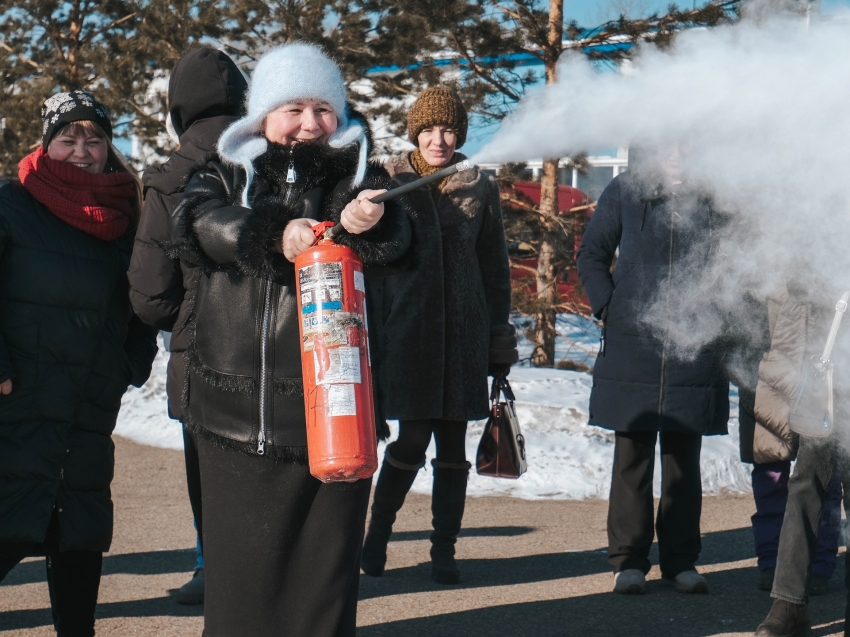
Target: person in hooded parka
{"x": 206, "y": 93}
{"x": 660, "y": 230}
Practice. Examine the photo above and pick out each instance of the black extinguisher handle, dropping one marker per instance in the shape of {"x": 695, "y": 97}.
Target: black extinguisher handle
{"x": 410, "y": 187}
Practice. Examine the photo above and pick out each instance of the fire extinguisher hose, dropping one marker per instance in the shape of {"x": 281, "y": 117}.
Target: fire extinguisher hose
{"x": 410, "y": 187}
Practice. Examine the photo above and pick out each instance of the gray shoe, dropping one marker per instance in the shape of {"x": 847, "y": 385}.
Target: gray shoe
{"x": 192, "y": 592}
{"x": 630, "y": 582}
{"x": 688, "y": 582}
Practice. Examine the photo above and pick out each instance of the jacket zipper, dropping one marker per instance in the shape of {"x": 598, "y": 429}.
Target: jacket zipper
{"x": 265, "y": 331}
{"x": 667, "y": 312}
{"x": 264, "y": 374}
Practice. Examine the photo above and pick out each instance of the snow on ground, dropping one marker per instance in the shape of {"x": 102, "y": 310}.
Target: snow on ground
{"x": 567, "y": 458}
{"x": 144, "y": 411}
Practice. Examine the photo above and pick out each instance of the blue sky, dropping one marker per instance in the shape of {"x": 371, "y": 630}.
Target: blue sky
{"x": 588, "y": 12}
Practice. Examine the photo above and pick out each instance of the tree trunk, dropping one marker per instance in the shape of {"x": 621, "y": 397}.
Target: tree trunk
{"x": 547, "y": 273}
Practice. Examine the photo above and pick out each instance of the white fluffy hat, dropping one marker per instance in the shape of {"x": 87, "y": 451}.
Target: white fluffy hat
{"x": 288, "y": 73}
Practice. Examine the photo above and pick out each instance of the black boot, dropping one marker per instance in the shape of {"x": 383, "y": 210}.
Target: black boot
{"x": 785, "y": 620}
{"x": 393, "y": 484}
{"x": 447, "y": 501}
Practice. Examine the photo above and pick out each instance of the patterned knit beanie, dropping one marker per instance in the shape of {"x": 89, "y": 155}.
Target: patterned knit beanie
{"x": 285, "y": 74}
{"x": 75, "y": 106}
{"x": 437, "y": 105}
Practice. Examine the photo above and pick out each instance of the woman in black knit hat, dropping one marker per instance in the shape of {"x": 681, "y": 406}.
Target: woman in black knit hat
{"x": 446, "y": 323}
{"x": 69, "y": 347}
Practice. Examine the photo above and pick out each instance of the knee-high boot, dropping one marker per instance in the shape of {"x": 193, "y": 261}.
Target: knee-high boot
{"x": 447, "y": 502}
{"x": 393, "y": 484}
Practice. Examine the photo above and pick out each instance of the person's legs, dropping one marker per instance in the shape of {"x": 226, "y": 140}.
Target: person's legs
{"x": 770, "y": 492}
{"x": 450, "y": 439}
{"x": 414, "y": 436}
{"x": 679, "y": 510}
{"x": 630, "y": 505}
{"x": 798, "y": 542}
{"x": 845, "y": 477}
{"x": 402, "y": 461}
{"x": 192, "y": 592}
{"x": 829, "y": 530}
{"x": 451, "y": 474}
{"x": 282, "y": 547}
{"x": 73, "y": 580}
{"x": 193, "y": 482}
{"x": 11, "y": 553}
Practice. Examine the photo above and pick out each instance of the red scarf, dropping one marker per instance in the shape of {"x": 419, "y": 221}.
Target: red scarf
{"x": 100, "y": 205}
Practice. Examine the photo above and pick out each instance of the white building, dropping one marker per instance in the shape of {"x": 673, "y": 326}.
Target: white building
{"x": 603, "y": 168}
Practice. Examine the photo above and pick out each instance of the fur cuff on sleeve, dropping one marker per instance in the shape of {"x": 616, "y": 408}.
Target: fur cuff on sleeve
{"x": 262, "y": 230}
{"x": 389, "y": 240}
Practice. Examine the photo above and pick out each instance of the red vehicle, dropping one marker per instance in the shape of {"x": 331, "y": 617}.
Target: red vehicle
{"x": 571, "y": 202}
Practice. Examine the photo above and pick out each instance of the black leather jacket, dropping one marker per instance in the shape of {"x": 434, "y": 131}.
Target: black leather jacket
{"x": 243, "y": 383}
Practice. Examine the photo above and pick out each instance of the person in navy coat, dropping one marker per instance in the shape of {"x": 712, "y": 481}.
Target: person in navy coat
{"x": 645, "y": 387}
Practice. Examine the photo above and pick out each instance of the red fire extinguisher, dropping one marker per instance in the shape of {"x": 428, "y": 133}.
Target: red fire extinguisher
{"x": 335, "y": 361}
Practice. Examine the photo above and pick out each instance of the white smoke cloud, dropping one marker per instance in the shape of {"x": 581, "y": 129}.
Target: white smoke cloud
{"x": 765, "y": 108}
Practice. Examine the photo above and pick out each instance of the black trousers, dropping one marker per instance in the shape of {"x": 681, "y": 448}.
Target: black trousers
{"x": 817, "y": 461}
{"x": 414, "y": 436}
{"x": 630, "y": 508}
{"x": 73, "y": 579}
{"x": 193, "y": 481}
{"x": 281, "y": 548}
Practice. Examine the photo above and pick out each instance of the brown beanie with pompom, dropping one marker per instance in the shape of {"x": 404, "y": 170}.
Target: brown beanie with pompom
{"x": 437, "y": 105}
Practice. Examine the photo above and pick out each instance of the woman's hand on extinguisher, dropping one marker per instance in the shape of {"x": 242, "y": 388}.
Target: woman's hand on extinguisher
{"x": 297, "y": 237}
{"x": 361, "y": 214}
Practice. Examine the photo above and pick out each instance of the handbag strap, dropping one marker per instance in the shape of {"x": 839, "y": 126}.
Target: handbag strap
{"x": 840, "y": 308}
{"x": 501, "y": 386}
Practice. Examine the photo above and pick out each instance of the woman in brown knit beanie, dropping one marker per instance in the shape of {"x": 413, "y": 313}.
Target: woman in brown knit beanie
{"x": 446, "y": 327}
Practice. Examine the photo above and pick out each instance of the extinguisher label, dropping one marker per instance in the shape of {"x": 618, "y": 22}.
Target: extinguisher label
{"x": 336, "y": 327}
{"x": 341, "y": 400}
{"x": 337, "y": 365}
{"x": 359, "y": 281}
{"x": 320, "y": 283}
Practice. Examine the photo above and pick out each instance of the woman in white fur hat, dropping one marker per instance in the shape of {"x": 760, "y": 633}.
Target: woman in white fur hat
{"x": 282, "y": 549}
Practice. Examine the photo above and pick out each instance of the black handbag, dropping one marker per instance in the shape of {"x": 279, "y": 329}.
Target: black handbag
{"x": 813, "y": 413}
{"x": 501, "y": 452}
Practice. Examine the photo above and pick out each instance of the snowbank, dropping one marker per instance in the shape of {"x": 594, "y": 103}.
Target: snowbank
{"x": 567, "y": 459}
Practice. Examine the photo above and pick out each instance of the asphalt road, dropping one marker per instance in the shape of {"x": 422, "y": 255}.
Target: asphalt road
{"x": 533, "y": 568}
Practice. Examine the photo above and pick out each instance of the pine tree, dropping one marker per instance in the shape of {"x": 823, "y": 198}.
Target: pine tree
{"x": 115, "y": 48}
{"x": 482, "y": 47}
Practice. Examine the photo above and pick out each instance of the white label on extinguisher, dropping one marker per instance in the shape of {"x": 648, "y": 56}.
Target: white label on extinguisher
{"x": 359, "y": 281}
{"x": 341, "y": 400}
{"x": 341, "y": 366}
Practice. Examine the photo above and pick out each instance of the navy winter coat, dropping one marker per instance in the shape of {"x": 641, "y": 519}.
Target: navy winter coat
{"x": 639, "y": 382}
{"x": 71, "y": 345}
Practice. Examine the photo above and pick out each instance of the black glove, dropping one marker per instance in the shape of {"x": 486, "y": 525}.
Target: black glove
{"x": 497, "y": 370}
{"x": 503, "y": 351}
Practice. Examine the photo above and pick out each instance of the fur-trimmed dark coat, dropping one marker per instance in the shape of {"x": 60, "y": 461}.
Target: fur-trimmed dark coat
{"x": 243, "y": 278}
{"x": 439, "y": 314}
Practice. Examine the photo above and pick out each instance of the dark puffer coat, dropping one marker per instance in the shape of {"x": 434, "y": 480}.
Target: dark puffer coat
{"x": 71, "y": 345}
{"x": 245, "y": 306}
{"x": 439, "y": 315}
{"x": 206, "y": 92}
{"x": 637, "y": 377}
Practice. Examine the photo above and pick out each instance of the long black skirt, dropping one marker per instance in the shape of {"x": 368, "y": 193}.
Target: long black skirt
{"x": 281, "y": 549}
